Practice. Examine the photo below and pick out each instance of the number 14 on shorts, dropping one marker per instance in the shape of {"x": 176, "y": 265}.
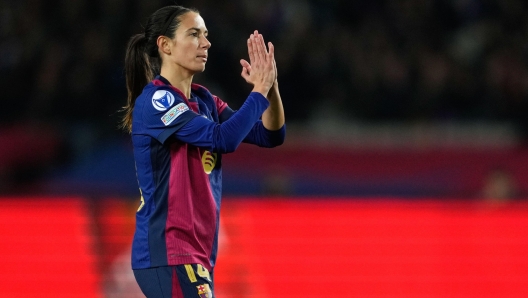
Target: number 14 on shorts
{"x": 200, "y": 270}
{"x": 204, "y": 291}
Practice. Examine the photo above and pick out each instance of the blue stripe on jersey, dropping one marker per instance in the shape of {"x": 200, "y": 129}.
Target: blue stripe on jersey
{"x": 215, "y": 178}
{"x": 141, "y": 253}
{"x": 161, "y": 160}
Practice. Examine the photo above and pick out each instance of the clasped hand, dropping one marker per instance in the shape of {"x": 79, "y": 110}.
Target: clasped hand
{"x": 261, "y": 70}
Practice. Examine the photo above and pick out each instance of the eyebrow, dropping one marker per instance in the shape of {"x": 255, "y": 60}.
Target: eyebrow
{"x": 197, "y": 29}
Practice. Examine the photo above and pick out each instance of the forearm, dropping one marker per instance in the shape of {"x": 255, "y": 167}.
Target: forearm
{"x": 263, "y": 137}
{"x": 225, "y": 137}
{"x": 273, "y": 117}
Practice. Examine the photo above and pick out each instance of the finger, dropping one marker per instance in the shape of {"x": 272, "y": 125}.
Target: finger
{"x": 256, "y": 45}
{"x": 272, "y": 56}
{"x": 256, "y": 50}
{"x": 260, "y": 50}
{"x": 271, "y": 51}
{"x": 262, "y": 43}
{"x": 246, "y": 65}
{"x": 266, "y": 51}
{"x": 245, "y": 74}
{"x": 262, "y": 46}
{"x": 251, "y": 49}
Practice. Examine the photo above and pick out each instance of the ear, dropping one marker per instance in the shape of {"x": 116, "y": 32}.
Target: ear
{"x": 163, "y": 43}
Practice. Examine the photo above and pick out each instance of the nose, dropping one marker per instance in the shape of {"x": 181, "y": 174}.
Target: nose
{"x": 206, "y": 43}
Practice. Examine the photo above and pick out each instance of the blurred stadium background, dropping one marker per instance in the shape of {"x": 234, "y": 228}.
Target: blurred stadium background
{"x": 404, "y": 172}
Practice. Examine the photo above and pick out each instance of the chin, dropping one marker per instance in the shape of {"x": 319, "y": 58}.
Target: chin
{"x": 199, "y": 70}
{"x": 194, "y": 68}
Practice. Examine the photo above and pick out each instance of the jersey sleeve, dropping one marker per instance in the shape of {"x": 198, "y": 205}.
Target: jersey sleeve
{"x": 262, "y": 137}
{"x": 164, "y": 113}
{"x": 226, "y": 136}
{"x": 258, "y": 135}
{"x": 226, "y": 113}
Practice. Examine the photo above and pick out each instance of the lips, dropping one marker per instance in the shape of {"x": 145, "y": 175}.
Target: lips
{"x": 204, "y": 57}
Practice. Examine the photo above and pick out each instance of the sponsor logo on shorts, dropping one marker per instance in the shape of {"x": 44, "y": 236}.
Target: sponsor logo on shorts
{"x": 174, "y": 113}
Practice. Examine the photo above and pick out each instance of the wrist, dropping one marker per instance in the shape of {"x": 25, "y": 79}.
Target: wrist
{"x": 262, "y": 91}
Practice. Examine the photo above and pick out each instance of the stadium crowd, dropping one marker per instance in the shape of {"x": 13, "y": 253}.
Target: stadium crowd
{"x": 369, "y": 60}
{"x": 61, "y": 62}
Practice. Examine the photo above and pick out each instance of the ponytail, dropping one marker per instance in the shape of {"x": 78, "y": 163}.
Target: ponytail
{"x": 138, "y": 72}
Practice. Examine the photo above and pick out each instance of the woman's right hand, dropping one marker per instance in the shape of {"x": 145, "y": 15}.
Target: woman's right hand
{"x": 260, "y": 71}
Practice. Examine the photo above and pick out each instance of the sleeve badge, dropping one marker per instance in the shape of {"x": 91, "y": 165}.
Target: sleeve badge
{"x": 174, "y": 113}
{"x": 162, "y": 100}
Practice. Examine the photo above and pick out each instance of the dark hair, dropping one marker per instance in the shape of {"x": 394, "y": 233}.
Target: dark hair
{"x": 142, "y": 59}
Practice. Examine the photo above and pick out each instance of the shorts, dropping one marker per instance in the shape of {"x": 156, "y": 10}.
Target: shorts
{"x": 180, "y": 281}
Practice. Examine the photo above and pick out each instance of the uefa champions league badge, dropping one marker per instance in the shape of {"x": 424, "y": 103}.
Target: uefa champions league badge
{"x": 162, "y": 100}
{"x": 204, "y": 291}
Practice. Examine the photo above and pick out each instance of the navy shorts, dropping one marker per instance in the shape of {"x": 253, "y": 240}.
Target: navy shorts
{"x": 180, "y": 281}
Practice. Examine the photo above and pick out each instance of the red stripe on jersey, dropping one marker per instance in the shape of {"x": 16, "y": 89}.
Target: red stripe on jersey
{"x": 220, "y": 104}
{"x": 195, "y": 86}
{"x": 191, "y": 219}
{"x": 194, "y": 107}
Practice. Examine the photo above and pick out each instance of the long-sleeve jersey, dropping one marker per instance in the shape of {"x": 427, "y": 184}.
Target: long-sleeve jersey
{"x": 178, "y": 143}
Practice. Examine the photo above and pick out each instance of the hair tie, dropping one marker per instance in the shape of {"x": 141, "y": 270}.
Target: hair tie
{"x": 168, "y": 22}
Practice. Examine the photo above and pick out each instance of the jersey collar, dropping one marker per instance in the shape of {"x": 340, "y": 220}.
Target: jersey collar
{"x": 164, "y": 80}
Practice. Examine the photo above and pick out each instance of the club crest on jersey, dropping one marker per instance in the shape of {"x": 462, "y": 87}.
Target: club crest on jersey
{"x": 204, "y": 291}
{"x": 174, "y": 113}
{"x": 162, "y": 100}
{"x": 208, "y": 161}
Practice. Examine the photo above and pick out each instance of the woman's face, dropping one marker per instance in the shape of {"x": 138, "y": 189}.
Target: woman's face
{"x": 189, "y": 46}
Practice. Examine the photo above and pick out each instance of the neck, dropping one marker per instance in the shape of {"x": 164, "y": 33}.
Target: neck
{"x": 179, "y": 79}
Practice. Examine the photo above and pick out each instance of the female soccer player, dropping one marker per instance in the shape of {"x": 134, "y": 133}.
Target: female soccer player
{"x": 179, "y": 131}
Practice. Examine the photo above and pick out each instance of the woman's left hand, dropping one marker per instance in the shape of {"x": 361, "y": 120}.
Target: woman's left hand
{"x": 253, "y": 44}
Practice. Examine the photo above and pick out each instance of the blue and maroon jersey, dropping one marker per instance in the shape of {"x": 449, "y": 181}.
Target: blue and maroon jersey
{"x": 178, "y": 143}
